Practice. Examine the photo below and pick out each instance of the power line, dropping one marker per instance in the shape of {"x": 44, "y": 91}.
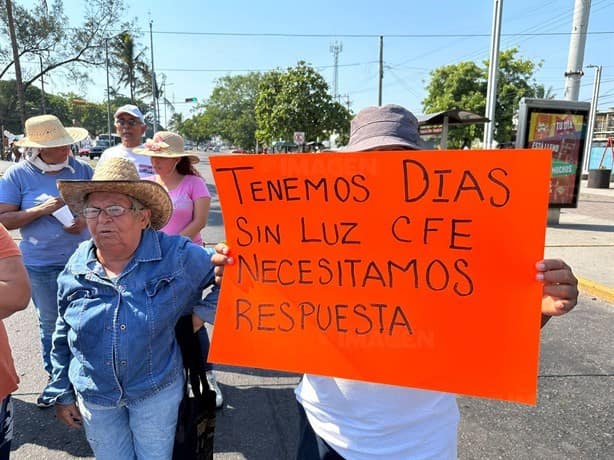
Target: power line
{"x": 261, "y": 70}
{"x": 299, "y": 35}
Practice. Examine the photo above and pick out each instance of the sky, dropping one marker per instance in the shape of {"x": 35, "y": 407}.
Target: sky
{"x": 198, "y": 41}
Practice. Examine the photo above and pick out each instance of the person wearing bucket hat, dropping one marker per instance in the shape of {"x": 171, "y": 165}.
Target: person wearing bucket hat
{"x": 130, "y": 127}
{"x": 343, "y": 418}
{"x": 191, "y": 200}
{"x": 30, "y": 202}
{"x": 349, "y": 419}
{"x": 117, "y": 368}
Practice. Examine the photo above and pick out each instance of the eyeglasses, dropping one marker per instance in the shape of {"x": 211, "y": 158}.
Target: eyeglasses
{"x": 114, "y": 210}
{"x": 130, "y": 122}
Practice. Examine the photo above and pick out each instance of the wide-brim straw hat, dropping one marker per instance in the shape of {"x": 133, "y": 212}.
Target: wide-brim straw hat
{"x": 166, "y": 145}
{"x": 386, "y": 126}
{"x": 46, "y": 131}
{"x": 119, "y": 175}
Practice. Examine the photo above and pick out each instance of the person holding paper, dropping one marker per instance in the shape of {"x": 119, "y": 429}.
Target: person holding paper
{"x": 349, "y": 419}
{"x": 30, "y": 202}
{"x": 191, "y": 200}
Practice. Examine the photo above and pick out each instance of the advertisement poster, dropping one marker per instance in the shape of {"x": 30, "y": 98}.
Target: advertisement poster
{"x": 563, "y": 134}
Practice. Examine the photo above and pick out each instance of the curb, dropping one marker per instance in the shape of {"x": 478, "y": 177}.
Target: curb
{"x": 595, "y": 289}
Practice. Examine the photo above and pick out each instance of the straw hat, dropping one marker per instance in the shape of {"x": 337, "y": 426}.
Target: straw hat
{"x": 387, "y": 126}
{"x": 46, "y": 131}
{"x": 119, "y": 175}
{"x": 166, "y": 145}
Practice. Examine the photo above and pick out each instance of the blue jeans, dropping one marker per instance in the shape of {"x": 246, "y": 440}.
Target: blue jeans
{"x": 310, "y": 445}
{"x": 6, "y": 427}
{"x": 44, "y": 281}
{"x": 141, "y": 430}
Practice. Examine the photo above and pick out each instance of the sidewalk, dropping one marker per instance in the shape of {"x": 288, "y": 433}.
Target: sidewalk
{"x": 584, "y": 238}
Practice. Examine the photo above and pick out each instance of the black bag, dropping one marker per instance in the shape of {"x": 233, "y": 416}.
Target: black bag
{"x": 196, "y": 421}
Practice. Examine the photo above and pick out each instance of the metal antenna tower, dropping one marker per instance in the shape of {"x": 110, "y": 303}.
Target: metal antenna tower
{"x": 336, "y": 48}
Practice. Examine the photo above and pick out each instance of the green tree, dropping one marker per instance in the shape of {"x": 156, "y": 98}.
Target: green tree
{"x": 43, "y": 34}
{"x": 464, "y": 85}
{"x": 176, "y": 122}
{"x": 196, "y": 128}
{"x": 230, "y": 111}
{"x": 130, "y": 63}
{"x": 297, "y": 100}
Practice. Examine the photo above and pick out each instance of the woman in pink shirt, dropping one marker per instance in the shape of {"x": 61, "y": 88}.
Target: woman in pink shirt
{"x": 191, "y": 200}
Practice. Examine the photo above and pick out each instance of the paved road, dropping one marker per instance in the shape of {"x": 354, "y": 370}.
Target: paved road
{"x": 573, "y": 419}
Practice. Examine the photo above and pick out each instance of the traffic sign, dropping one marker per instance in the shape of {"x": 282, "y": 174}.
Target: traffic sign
{"x": 299, "y": 137}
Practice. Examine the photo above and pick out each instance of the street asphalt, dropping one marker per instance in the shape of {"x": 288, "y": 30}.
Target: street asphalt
{"x": 574, "y": 417}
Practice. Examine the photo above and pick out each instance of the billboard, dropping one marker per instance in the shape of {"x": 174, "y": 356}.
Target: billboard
{"x": 560, "y": 126}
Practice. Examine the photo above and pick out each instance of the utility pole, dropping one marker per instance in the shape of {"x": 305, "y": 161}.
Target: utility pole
{"x": 493, "y": 70}
{"x": 574, "y": 71}
{"x": 106, "y": 48}
{"x": 591, "y": 116}
{"x": 577, "y": 44}
{"x": 153, "y": 79}
{"x": 336, "y": 49}
{"x": 381, "y": 69}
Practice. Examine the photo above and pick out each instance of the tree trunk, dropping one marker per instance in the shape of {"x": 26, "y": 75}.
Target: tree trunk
{"x": 18, "y": 79}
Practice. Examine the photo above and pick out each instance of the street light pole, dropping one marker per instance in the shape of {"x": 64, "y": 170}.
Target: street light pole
{"x": 493, "y": 69}
{"x": 153, "y": 79}
{"x": 381, "y": 69}
{"x": 106, "y": 47}
{"x": 591, "y": 117}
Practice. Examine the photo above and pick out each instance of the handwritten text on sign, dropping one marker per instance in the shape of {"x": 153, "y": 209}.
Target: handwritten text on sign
{"x": 406, "y": 268}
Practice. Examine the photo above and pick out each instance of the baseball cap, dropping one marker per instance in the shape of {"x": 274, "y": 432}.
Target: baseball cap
{"x": 131, "y": 110}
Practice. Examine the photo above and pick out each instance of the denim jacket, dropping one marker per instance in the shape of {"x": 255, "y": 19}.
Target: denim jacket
{"x": 114, "y": 340}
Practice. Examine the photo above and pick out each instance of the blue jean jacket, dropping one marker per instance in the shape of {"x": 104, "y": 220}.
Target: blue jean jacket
{"x": 114, "y": 340}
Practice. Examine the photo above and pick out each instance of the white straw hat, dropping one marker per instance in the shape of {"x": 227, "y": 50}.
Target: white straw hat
{"x": 166, "y": 145}
{"x": 119, "y": 175}
{"x": 46, "y": 131}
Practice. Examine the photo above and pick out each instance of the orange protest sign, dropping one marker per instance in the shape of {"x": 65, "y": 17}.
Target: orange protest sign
{"x": 410, "y": 268}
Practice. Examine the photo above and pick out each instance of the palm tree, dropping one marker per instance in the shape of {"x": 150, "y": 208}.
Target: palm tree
{"x": 176, "y": 122}
{"x": 128, "y": 61}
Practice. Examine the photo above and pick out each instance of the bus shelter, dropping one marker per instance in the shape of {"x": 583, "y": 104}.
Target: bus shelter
{"x": 430, "y": 123}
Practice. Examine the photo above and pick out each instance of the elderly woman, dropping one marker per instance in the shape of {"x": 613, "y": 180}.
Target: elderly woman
{"x": 117, "y": 368}
{"x": 30, "y": 202}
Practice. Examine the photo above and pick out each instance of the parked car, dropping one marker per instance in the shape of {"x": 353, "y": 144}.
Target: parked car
{"x": 100, "y": 146}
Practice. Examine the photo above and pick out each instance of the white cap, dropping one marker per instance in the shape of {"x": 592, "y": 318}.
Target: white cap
{"x": 131, "y": 110}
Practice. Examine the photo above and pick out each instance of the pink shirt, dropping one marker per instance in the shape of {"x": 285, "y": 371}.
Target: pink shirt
{"x": 8, "y": 375}
{"x": 190, "y": 189}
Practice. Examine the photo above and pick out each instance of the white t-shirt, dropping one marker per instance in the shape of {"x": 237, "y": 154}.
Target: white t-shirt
{"x": 142, "y": 162}
{"x": 363, "y": 421}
